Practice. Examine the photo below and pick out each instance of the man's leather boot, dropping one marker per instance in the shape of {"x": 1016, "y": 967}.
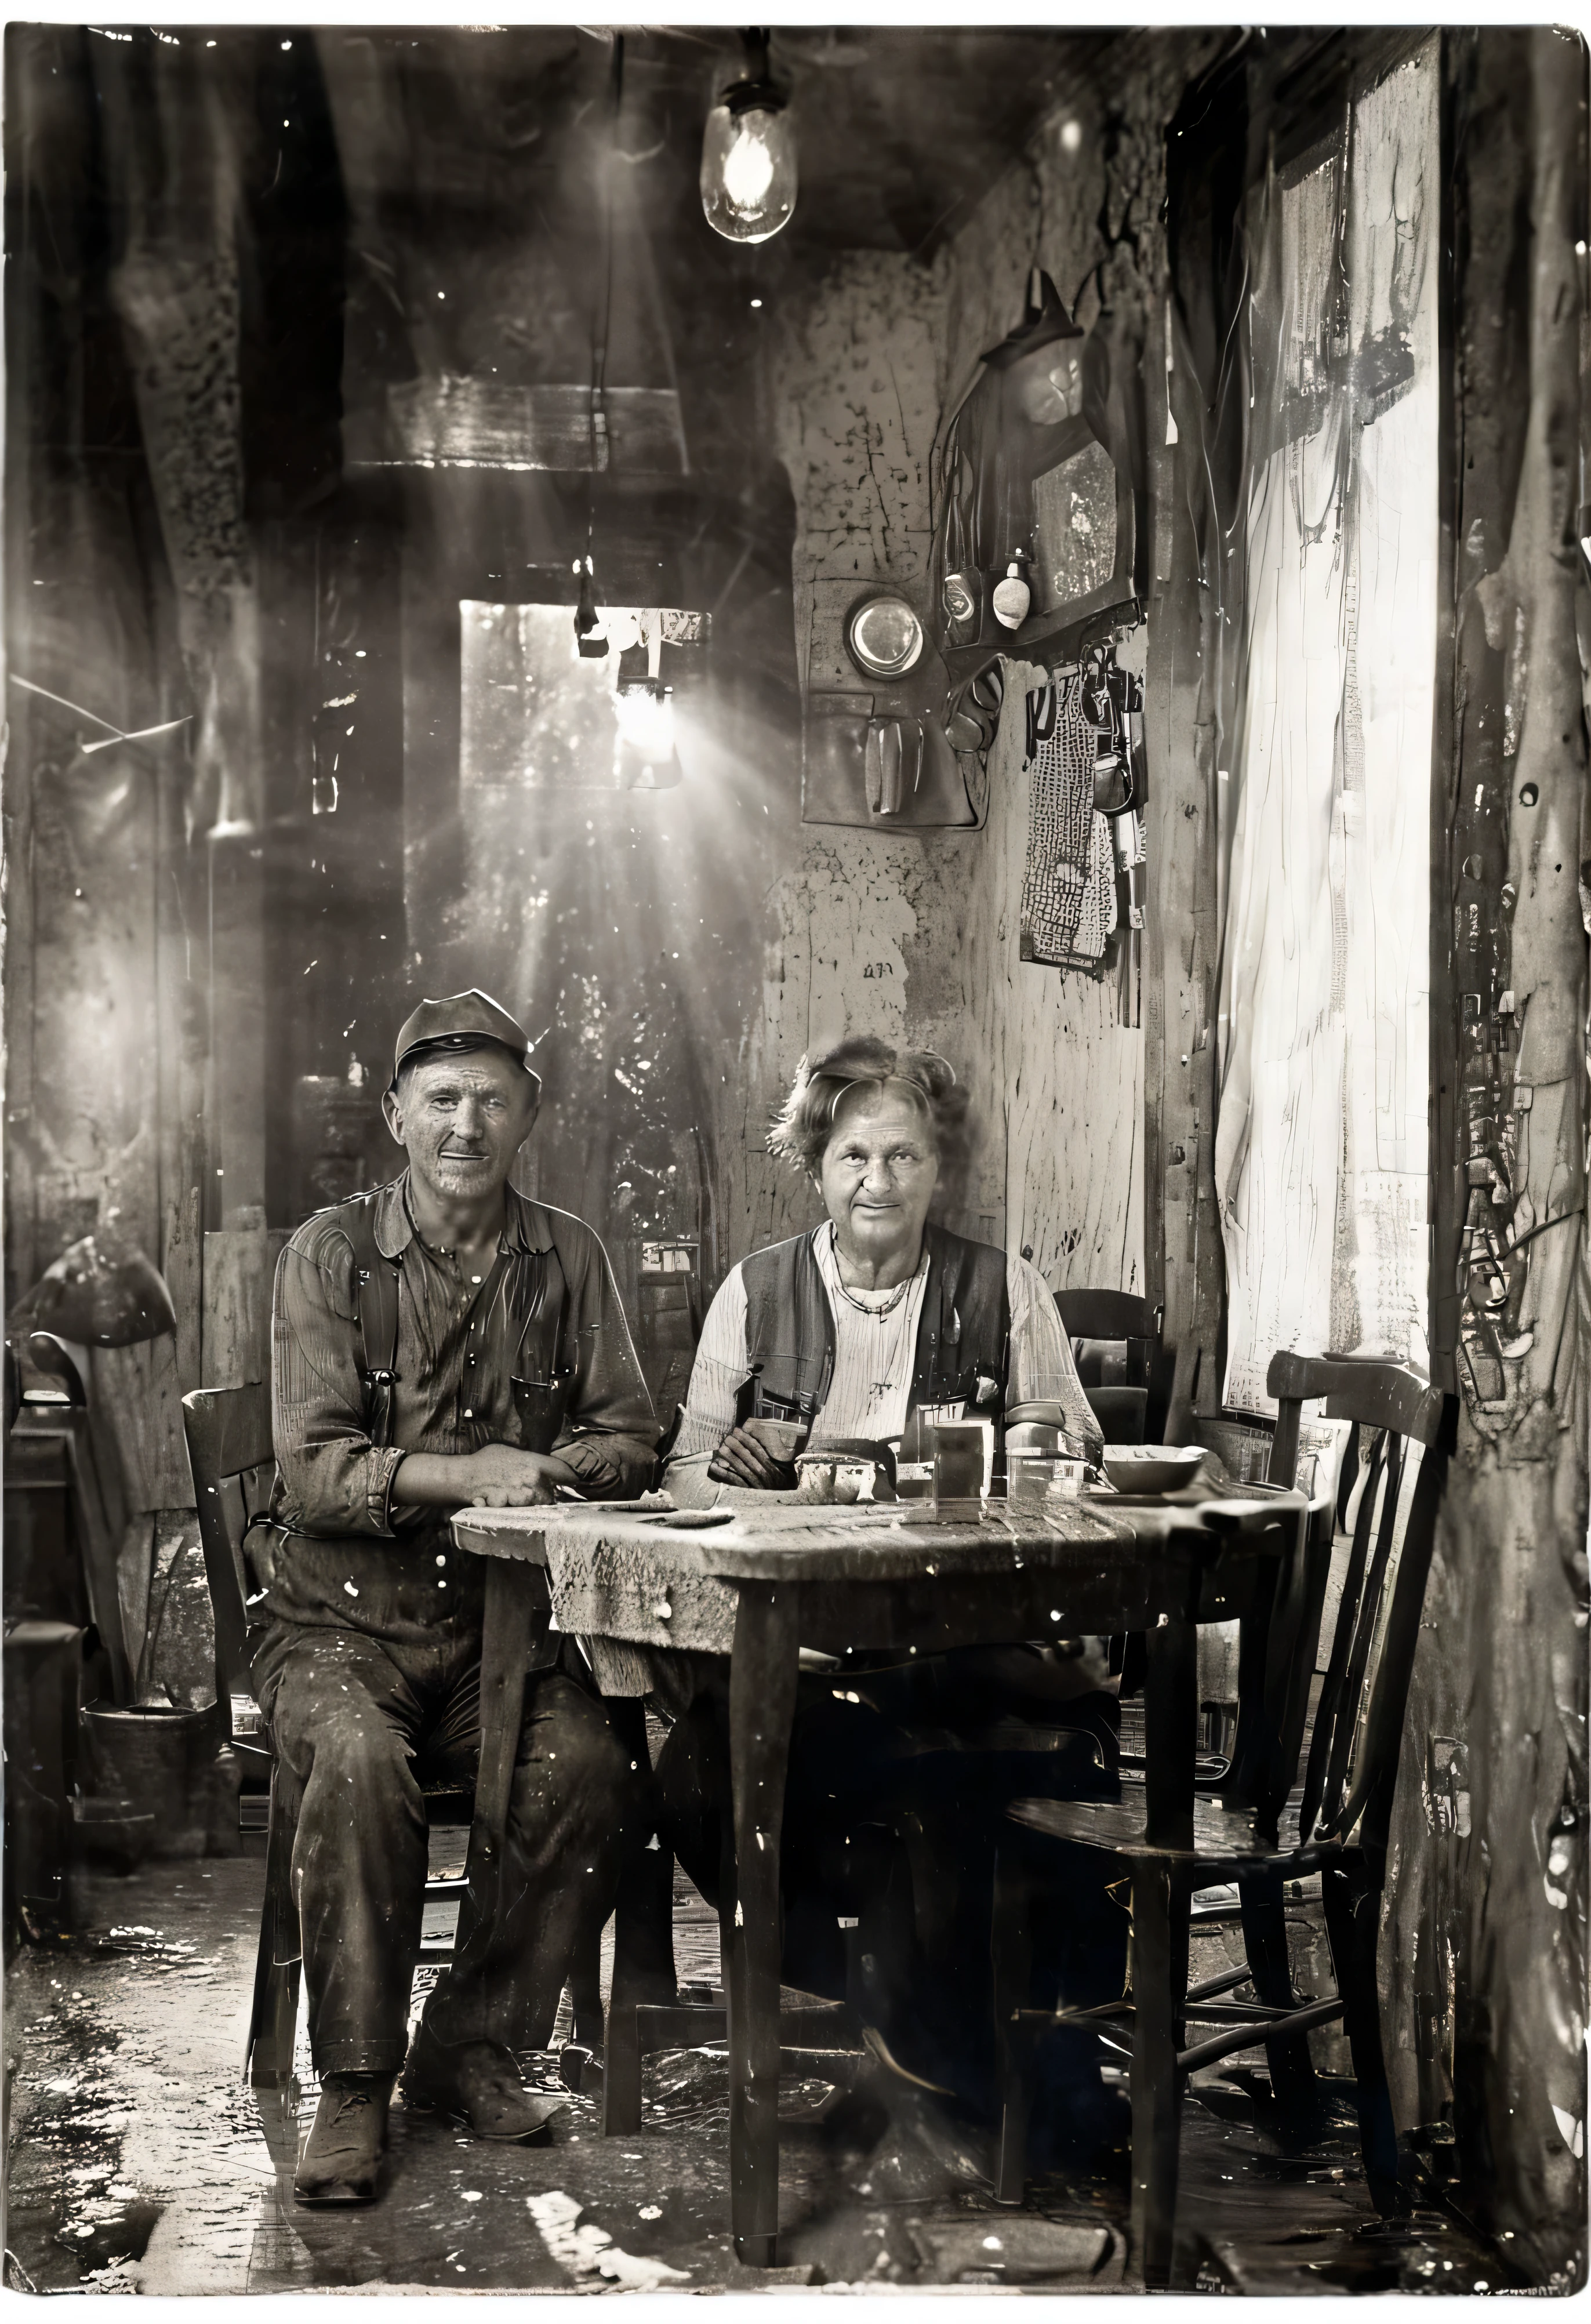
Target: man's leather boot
{"x": 341, "y": 2155}
{"x": 478, "y": 2083}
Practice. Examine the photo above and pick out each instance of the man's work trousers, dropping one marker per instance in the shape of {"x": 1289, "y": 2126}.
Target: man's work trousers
{"x": 362, "y": 1723}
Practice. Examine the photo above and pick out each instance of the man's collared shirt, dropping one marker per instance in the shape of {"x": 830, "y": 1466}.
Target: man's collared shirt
{"x": 354, "y": 1558}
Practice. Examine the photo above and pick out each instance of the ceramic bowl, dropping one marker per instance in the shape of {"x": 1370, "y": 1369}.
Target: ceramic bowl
{"x": 1152, "y": 1468}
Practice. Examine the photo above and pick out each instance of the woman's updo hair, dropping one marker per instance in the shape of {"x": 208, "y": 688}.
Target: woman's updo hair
{"x": 805, "y": 1122}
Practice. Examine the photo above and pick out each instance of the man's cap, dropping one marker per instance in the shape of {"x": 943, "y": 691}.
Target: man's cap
{"x": 463, "y": 1021}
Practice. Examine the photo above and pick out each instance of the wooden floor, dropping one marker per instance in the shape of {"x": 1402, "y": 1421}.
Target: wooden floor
{"x": 140, "y": 2162}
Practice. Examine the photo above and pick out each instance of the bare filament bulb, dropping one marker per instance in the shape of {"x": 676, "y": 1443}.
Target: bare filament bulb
{"x": 749, "y": 161}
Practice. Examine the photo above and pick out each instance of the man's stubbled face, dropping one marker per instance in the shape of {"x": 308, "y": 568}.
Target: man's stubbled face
{"x": 462, "y": 1119}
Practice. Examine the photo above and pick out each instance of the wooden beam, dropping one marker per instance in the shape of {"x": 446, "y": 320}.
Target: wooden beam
{"x": 1486, "y": 1945}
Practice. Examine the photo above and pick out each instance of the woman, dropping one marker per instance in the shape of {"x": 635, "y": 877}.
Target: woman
{"x": 873, "y": 1325}
{"x": 877, "y": 1322}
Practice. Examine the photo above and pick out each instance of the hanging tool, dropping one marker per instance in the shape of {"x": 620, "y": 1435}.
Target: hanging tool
{"x": 1113, "y": 705}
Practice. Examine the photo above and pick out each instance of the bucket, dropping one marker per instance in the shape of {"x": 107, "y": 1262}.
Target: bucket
{"x": 162, "y": 1763}
{"x": 112, "y": 1832}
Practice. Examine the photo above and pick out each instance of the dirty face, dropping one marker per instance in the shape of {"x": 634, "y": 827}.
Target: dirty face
{"x": 461, "y": 1121}
{"x": 879, "y": 1172}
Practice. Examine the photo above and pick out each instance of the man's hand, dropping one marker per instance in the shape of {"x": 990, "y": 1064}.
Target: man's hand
{"x": 497, "y": 1477}
{"x": 741, "y": 1460}
{"x": 507, "y": 1479}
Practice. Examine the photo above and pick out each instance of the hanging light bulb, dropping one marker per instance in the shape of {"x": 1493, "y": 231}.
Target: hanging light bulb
{"x": 644, "y": 757}
{"x": 749, "y": 154}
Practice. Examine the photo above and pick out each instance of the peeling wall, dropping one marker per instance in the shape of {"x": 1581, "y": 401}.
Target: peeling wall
{"x": 859, "y": 387}
{"x": 861, "y": 928}
{"x": 101, "y": 1094}
{"x": 918, "y": 939}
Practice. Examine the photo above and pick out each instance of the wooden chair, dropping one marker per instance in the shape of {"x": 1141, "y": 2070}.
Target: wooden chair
{"x": 815, "y": 2036}
{"x": 1277, "y": 1645}
{"x": 53, "y": 1455}
{"x": 230, "y": 1453}
{"x": 1268, "y": 1829}
{"x": 43, "y": 1666}
{"x": 1121, "y": 1392}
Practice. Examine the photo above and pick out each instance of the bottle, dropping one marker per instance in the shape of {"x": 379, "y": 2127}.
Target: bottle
{"x": 1012, "y": 597}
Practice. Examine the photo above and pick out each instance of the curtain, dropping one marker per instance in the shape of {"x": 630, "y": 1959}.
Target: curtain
{"x": 1321, "y": 1153}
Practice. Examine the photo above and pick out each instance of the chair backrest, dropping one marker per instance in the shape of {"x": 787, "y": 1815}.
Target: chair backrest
{"x": 1101, "y": 1322}
{"x": 1121, "y": 1412}
{"x": 1277, "y": 1649}
{"x": 1117, "y": 1386}
{"x": 228, "y": 1434}
{"x": 1388, "y": 1496}
{"x": 1107, "y": 1316}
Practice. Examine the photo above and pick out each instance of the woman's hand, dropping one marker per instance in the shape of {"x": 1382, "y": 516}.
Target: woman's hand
{"x": 741, "y": 1460}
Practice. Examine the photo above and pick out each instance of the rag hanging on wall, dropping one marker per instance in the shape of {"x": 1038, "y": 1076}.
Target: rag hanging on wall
{"x": 1082, "y": 884}
{"x": 1069, "y": 885}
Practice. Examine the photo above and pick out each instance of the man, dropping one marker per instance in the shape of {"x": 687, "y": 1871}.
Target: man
{"x": 438, "y": 1341}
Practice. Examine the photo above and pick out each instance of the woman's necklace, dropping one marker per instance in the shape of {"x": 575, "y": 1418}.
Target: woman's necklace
{"x": 861, "y": 1306}
{"x": 890, "y": 1304}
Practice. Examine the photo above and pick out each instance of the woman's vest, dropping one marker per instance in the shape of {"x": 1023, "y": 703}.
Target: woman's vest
{"x": 963, "y": 1349}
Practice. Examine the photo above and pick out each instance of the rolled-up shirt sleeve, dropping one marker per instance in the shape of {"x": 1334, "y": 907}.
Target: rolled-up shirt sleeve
{"x": 718, "y": 1374}
{"x": 610, "y": 1439}
{"x": 1042, "y": 1368}
{"x": 332, "y": 1478}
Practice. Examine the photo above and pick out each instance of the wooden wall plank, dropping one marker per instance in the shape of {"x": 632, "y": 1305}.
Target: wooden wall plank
{"x": 239, "y": 1269}
{"x": 135, "y": 1394}
{"x": 134, "y": 1569}
{"x": 918, "y": 939}
{"x": 1066, "y": 1076}
{"x": 1485, "y": 1949}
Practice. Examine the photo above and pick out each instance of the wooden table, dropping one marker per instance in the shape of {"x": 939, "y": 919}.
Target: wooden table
{"x": 881, "y": 1576}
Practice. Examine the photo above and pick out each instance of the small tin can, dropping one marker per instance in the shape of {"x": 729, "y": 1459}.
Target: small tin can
{"x": 1067, "y": 1480}
{"x": 1027, "y": 1477}
{"x": 1034, "y": 1478}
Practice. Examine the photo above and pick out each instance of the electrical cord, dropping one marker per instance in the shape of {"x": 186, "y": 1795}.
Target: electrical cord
{"x": 599, "y": 357}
